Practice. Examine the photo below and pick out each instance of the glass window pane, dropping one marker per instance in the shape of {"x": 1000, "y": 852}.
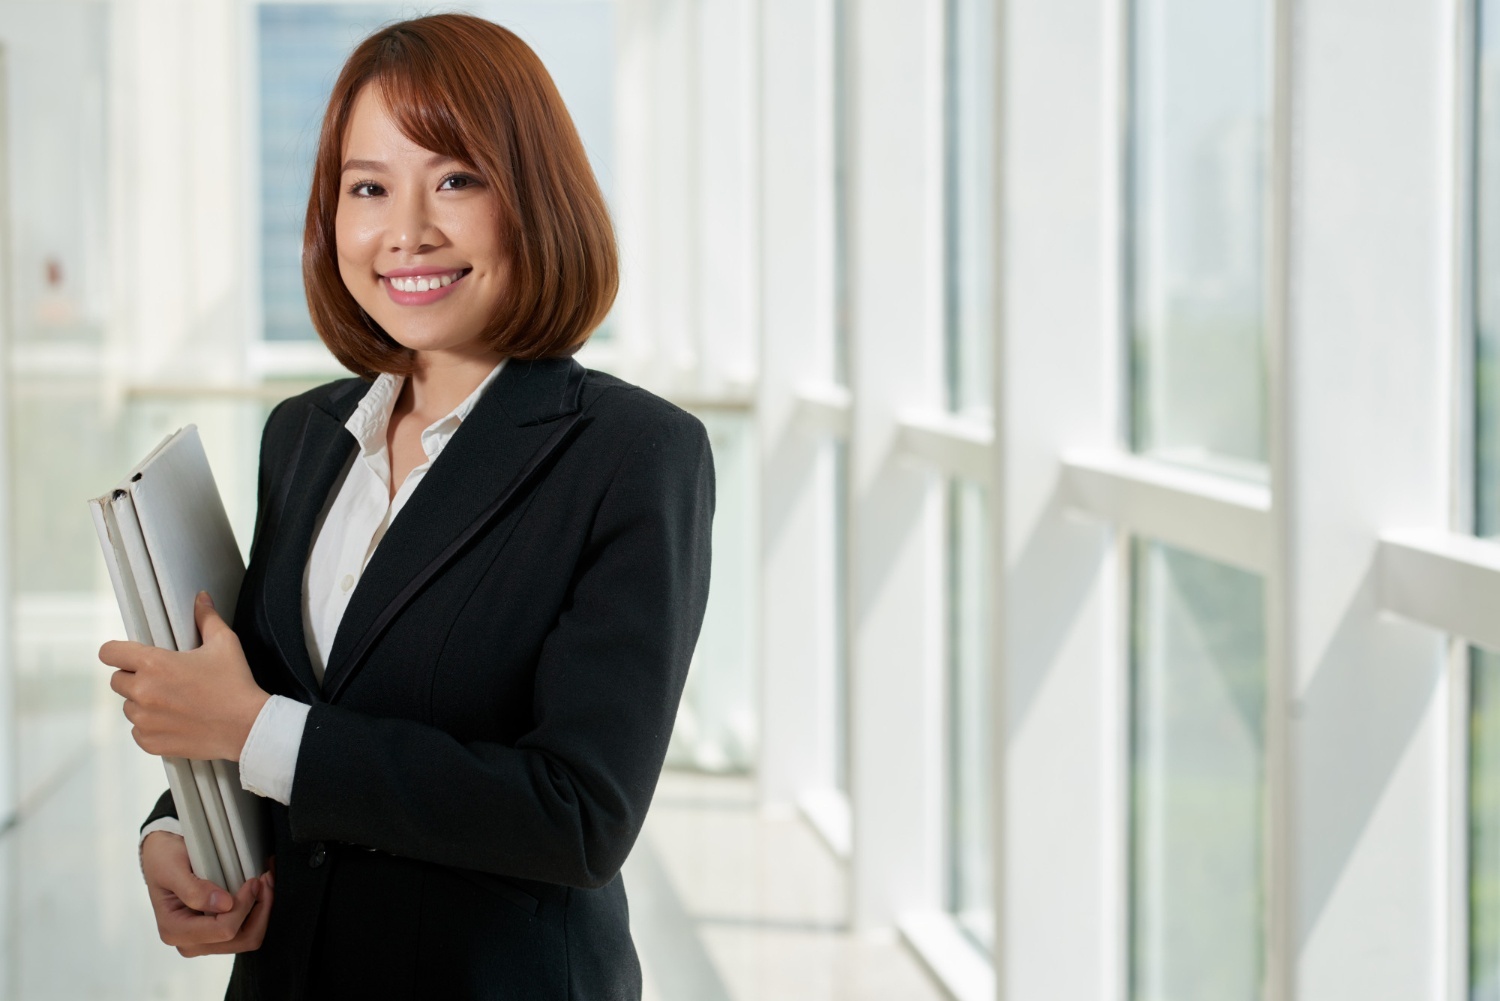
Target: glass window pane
{"x": 717, "y": 726}
{"x": 1200, "y": 100}
{"x": 838, "y": 534}
{"x": 302, "y": 47}
{"x": 970, "y": 851}
{"x": 842, "y": 114}
{"x": 970, "y": 203}
{"x": 1484, "y": 826}
{"x": 1486, "y": 278}
{"x": 1197, "y": 779}
{"x": 1484, "y": 682}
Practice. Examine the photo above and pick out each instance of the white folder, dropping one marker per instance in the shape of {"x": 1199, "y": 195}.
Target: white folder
{"x": 166, "y": 537}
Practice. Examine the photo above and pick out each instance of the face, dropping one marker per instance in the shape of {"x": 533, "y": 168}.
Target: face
{"x": 418, "y": 237}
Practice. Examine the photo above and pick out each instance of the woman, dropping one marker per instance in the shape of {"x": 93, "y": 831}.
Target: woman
{"x": 477, "y": 575}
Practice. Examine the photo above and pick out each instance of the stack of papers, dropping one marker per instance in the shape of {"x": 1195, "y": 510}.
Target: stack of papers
{"x": 166, "y": 537}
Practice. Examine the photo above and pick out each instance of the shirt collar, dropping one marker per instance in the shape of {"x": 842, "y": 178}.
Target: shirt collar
{"x": 372, "y": 417}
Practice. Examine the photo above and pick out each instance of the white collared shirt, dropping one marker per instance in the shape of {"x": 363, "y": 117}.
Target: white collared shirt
{"x": 346, "y": 536}
{"x": 362, "y": 510}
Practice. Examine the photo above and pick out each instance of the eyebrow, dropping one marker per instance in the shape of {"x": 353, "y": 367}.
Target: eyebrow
{"x": 432, "y": 161}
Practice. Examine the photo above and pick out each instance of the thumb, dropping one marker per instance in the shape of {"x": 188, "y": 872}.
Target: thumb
{"x": 207, "y": 617}
{"x": 199, "y": 894}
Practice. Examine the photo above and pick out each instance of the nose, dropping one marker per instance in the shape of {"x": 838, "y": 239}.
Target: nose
{"x": 412, "y": 227}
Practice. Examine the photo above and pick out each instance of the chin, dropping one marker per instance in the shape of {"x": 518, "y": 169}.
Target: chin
{"x": 425, "y": 344}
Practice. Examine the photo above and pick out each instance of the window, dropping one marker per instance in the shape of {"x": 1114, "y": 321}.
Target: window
{"x": 1196, "y": 192}
{"x": 971, "y": 897}
{"x": 1484, "y": 666}
{"x": 1197, "y": 778}
{"x": 842, "y": 116}
{"x": 1484, "y": 826}
{"x": 302, "y": 47}
{"x": 969, "y": 183}
{"x": 1196, "y": 293}
{"x": 969, "y": 203}
{"x": 836, "y": 528}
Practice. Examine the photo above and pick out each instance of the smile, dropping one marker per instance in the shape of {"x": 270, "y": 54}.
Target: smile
{"x": 419, "y": 290}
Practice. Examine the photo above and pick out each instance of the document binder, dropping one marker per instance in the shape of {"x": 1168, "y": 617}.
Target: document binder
{"x": 165, "y": 537}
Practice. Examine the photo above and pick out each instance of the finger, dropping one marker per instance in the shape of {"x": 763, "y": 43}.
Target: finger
{"x": 253, "y": 931}
{"x": 210, "y": 624}
{"x": 122, "y": 683}
{"x": 203, "y": 933}
{"x": 200, "y": 894}
{"x": 251, "y": 934}
{"x": 230, "y": 923}
{"x": 244, "y": 901}
{"x": 122, "y": 654}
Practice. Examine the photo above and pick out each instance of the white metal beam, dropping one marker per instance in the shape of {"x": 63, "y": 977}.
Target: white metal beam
{"x": 1442, "y": 579}
{"x": 824, "y": 408}
{"x": 958, "y": 446}
{"x": 1211, "y": 516}
{"x": 965, "y": 974}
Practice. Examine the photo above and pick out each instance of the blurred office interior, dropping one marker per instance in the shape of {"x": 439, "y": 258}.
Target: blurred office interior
{"x": 1105, "y": 396}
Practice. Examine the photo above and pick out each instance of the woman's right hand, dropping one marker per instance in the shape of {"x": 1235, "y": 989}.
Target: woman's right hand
{"x": 199, "y": 917}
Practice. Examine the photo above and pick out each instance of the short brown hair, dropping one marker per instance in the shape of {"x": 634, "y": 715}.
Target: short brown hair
{"x": 468, "y": 88}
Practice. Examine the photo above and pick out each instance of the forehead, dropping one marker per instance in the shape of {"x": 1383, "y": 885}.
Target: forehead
{"x": 373, "y": 133}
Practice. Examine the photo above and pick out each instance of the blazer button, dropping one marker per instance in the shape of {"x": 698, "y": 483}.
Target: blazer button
{"x": 318, "y": 857}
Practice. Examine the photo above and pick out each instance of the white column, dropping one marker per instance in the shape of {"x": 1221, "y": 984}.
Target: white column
{"x": 1365, "y": 444}
{"x": 725, "y": 53}
{"x": 896, "y": 522}
{"x": 795, "y": 352}
{"x": 659, "y": 175}
{"x": 178, "y": 185}
{"x": 1062, "y": 669}
{"x": 9, "y": 764}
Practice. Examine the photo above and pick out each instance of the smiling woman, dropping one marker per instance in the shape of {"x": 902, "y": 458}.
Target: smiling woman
{"x": 477, "y": 577}
{"x": 412, "y": 229}
{"x": 458, "y": 130}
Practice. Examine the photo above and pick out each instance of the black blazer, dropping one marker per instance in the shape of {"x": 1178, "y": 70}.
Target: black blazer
{"x": 480, "y": 756}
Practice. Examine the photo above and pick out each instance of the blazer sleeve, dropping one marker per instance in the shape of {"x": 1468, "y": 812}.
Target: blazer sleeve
{"x": 565, "y": 804}
{"x": 165, "y": 807}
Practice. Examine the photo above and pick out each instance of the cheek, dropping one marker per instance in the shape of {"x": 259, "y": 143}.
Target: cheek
{"x": 476, "y": 229}
{"x": 355, "y": 237}
{"x": 355, "y": 258}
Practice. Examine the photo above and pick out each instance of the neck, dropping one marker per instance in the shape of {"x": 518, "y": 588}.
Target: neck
{"x": 442, "y": 383}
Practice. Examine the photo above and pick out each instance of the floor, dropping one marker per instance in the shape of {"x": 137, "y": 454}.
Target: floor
{"x": 727, "y": 901}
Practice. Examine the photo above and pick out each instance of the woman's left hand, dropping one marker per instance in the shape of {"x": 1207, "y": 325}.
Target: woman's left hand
{"x": 196, "y": 704}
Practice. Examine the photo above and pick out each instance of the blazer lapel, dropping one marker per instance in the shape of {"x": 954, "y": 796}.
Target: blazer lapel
{"x": 322, "y": 453}
{"x": 525, "y": 416}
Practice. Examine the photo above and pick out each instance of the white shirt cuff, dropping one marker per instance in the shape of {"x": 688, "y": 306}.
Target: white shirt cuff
{"x": 169, "y": 824}
{"x": 268, "y": 760}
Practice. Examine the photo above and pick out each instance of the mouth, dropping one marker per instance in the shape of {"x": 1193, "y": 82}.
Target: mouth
{"x": 418, "y": 290}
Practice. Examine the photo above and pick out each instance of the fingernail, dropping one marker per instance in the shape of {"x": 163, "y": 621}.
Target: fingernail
{"x": 219, "y": 901}
{"x": 205, "y": 598}
{"x": 271, "y": 880}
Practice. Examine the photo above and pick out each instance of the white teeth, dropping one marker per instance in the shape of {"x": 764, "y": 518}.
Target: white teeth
{"x": 427, "y": 283}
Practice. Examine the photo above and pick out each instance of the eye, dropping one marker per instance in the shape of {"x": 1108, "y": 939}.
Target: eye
{"x": 458, "y": 182}
{"x": 365, "y": 189}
